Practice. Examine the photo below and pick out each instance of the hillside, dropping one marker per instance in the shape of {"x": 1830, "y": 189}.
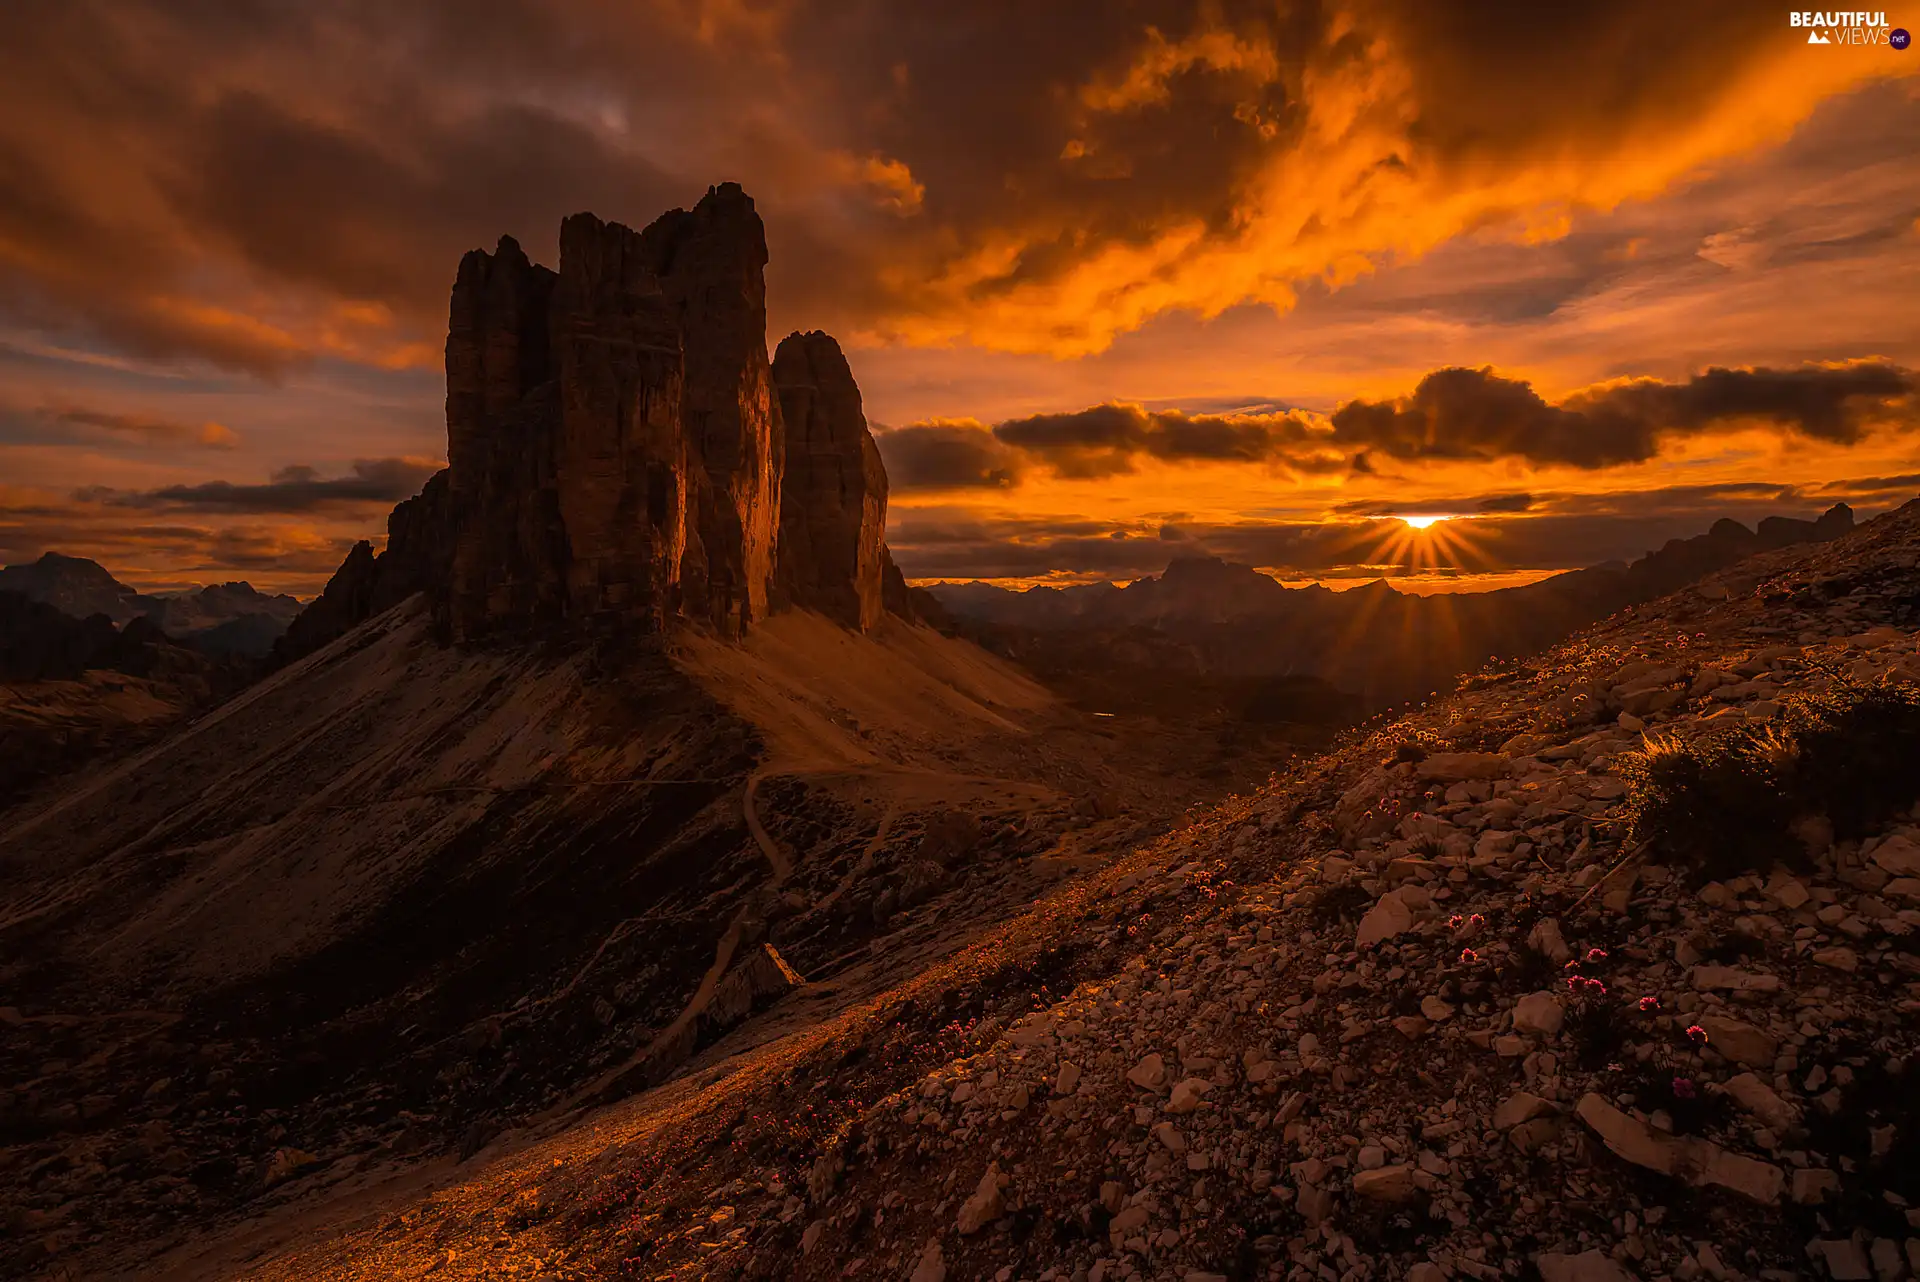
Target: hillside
{"x": 579, "y": 774}
{"x": 1474, "y": 996}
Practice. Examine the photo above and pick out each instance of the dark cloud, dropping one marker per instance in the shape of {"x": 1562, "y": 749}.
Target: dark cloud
{"x": 291, "y": 489}
{"x": 1106, "y": 439}
{"x": 951, "y": 454}
{"x": 1453, "y": 414}
{"x": 1475, "y": 414}
{"x": 259, "y": 183}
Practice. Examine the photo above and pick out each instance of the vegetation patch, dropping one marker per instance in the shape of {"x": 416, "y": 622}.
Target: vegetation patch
{"x": 1726, "y": 804}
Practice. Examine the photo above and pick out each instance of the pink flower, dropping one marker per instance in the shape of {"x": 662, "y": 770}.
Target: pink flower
{"x": 1468, "y": 956}
{"x": 1696, "y": 1034}
{"x": 1649, "y": 1004}
{"x": 1682, "y": 1088}
{"x": 1596, "y": 954}
{"x": 1455, "y": 922}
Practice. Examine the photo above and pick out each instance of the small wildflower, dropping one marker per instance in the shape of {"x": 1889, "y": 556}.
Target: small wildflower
{"x": 1476, "y": 920}
{"x": 1455, "y": 922}
{"x": 1696, "y": 1034}
{"x": 1596, "y": 954}
{"x": 1649, "y": 1004}
{"x": 1682, "y": 1088}
{"x": 1468, "y": 956}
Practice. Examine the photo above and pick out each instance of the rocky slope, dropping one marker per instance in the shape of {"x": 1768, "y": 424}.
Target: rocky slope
{"x": 1503, "y": 989}
{"x": 527, "y": 816}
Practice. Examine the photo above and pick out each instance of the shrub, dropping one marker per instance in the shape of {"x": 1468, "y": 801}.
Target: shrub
{"x": 1858, "y": 752}
{"x": 1712, "y": 805}
{"x": 1725, "y": 804}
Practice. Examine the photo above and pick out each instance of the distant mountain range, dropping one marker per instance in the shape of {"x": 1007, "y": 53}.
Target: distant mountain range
{"x": 224, "y": 619}
{"x": 1239, "y": 631}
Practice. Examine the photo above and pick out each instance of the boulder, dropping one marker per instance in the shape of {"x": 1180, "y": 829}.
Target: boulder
{"x": 1697, "y": 1161}
{"x": 1739, "y": 1041}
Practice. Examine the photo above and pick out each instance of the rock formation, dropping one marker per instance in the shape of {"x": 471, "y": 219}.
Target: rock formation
{"x": 418, "y": 558}
{"x": 616, "y": 448}
{"x": 711, "y": 264}
{"x": 833, "y": 502}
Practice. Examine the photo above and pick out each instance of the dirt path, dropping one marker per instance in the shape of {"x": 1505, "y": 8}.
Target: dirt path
{"x": 782, "y": 865}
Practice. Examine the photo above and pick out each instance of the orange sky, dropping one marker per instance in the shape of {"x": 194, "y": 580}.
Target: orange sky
{"x": 1250, "y": 230}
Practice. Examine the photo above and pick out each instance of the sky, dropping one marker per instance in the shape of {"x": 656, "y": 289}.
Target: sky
{"x": 1120, "y": 281}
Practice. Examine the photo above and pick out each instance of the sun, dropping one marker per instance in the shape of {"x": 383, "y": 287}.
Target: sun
{"x": 1423, "y": 522}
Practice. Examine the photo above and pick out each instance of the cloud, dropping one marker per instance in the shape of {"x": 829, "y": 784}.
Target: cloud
{"x": 268, "y": 185}
{"x": 1456, "y": 415}
{"x": 947, "y": 454}
{"x": 291, "y": 489}
{"x": 1475, "y": 414}
{"x": 63, "y": 424}
{"x": 1106, "y": 439}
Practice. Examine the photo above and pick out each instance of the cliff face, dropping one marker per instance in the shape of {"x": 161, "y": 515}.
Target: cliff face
{"x": 611, "y": 429}
{"x": 833, "y": 501}
{"x": 616, "y": 448}
{"x": 621, "y": 455}
{"x": 501, "y": 410}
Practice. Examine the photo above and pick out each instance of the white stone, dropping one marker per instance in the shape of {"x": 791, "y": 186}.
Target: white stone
{"x": 1545, "y": 938}
{"x": 1538, "y": 1015}
{"x": 1188, "y": 1095}
{"x": 1149, "y": 1074}
{"x": 1521, "y": 1106}
{"x": 987, "y": 1202}
{"x": 1760, "y": 1099}
{"x": 932, "y": 1266}
{"x": 1389, "y": 916}
{"x": 1588, "y": 1266}
{"x": 1387, "y": 1184}
{"x": 1899, "y": 855}
{"x": 1739, "y": 1041}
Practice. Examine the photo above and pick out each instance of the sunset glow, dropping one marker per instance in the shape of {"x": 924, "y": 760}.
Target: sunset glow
{"x": 1185, "y": 278}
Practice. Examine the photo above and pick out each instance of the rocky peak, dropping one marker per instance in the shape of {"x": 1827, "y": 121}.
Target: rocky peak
{"x": 616, "y": 448}
{"x": 833, "y": 503}
{"x": 711, "y": 264}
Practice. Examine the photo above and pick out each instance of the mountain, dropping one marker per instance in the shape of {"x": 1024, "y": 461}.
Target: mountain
{"x": 1598, "y": 968}
{"x": 224, "y": 619}
{"x": 629, "y": 735}
{"x": 1223, "y": 626}
{"x": 73, "y": 585}
{"x": 77, "y": 690}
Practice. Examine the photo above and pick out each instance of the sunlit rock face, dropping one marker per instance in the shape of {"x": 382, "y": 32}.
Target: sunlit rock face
{"x": 711, "y": 264}
{"x": 833, "y": 507}
{"x": 618, "y": 448}
{"x": 612, "y": 435}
